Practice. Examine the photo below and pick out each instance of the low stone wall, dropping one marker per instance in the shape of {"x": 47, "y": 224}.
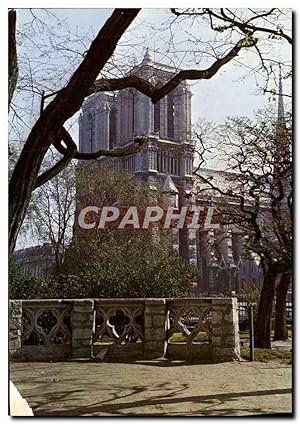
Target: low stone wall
{"x": 15, "y": 327}
{"x": 41, "y": 330}
{"x": 124, "y": 329}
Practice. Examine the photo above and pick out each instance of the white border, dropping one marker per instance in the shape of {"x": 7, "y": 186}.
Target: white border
{"x": 3, "y": 148}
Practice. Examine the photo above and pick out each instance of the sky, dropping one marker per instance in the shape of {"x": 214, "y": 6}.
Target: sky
{"x": 226, "y": 94}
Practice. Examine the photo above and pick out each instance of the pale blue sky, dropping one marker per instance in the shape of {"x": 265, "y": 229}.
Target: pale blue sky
{"x": 215, "y": 99}
{"x": 226, "y": 94}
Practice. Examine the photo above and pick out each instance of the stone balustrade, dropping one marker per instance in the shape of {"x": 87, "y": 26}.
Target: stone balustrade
{"x": 187, "y": 328}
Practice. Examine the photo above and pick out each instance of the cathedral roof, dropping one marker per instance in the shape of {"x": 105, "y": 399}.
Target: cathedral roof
{"x": 169, "y": 186}
{"x": 228, "y": 185}
{"x": 223, "y": 180}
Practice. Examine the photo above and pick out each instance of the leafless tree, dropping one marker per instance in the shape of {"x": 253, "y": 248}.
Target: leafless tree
{"x": 270, "y": 26}
{"x": 58, "y": 107}
{"x": 51, "y": 212}
{"x": 257, "y": 199}
{"x": 12, "y": 60}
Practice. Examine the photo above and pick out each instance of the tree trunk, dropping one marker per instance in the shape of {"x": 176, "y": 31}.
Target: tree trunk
{"x": 262, "y": 332}
{"x": 13, "y": 69}
{"x": 65, "y": 104}
{"x": 281, "y": 331}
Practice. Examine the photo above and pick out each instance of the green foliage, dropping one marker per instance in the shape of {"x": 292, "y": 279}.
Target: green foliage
{"x": 266, "y": 355}
{"x": 26, "y": 286}
{"x": 250, "y": 292}
{"x": 115, "y": 262}
{"x": 249, "y": 41}
{"x": 179, "y": 338}
{"x": 136, "y": 266}
{"x": 125, "y": 263}
{"x": 150, "y": 276}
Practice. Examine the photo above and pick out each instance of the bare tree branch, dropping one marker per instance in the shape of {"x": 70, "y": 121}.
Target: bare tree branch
{"x": 244, "y": 26}
{"x": 13, "y": 69}
{"x": 71, "y": 152}
{"x": 155, "y": 93}
{"x": 62, "y": 107}
{"x": 68, "y": 155}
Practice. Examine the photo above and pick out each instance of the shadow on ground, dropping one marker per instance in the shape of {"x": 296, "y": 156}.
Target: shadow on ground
{"x": 154, "y": 388}
{"x": 117, "y": 408}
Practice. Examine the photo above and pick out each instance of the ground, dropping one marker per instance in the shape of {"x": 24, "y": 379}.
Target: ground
{"x": 161, "y": 388}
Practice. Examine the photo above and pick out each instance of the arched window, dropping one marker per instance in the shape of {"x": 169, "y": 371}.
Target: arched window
{"x": 157, "y": 117}
{"x": 131, "y": 110}
{"x": 170, "y": 100}
{"x": 90, "y": 132}
{"x": 113, "y": 128}
{"x": 159, "y": 161}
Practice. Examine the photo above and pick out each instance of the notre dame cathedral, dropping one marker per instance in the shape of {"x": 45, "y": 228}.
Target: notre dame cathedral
{"x": 110, "y": 120}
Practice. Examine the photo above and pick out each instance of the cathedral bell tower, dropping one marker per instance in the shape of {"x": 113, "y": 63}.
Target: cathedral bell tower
{"x": 110, "y": 120}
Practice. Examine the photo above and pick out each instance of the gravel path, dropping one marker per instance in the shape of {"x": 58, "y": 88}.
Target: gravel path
{"x": 151, "y": 388}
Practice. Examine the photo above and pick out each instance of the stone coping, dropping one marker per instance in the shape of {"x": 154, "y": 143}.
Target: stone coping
{"x": 130, "y": 299}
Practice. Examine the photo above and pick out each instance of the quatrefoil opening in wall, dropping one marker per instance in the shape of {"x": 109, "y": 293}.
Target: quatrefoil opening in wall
{"x": 118, "y": 326}
{"x": 46, "y": 326}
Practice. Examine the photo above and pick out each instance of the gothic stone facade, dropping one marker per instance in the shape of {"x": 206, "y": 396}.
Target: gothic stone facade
{"x": 111, "y": 120}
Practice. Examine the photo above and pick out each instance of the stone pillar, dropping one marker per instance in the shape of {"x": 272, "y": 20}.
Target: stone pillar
{"x": 15, "y": 327}
{"x": 84, "y": 135}
{"x": 147, "y": 114}
{"x": 189, "y": 114}
{"x": 163, "y": 117}
{"x": 152, "y": 157}
{"x": 138, "y": 117}
{"x": 183, "y": 165}
{"x": 151, "y": 116}
{"x": 155, "y": 328}
{"x": 104, "y": 129}
{"x": 169, "y": 163}
{"x": 118, "y": 122}
{"x": 82, "y": 328}
{"x": 81, "y": 140}
{"x": 180, "y": 126}
{"x": 225, "y": 329}
{"x": 130, "y": 106}
{"x": 97, "y": 144}
{"x": 123, "y": 117}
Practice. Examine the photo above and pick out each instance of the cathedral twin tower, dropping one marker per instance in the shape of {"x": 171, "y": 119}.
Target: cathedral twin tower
{"x": 112, "y": 120}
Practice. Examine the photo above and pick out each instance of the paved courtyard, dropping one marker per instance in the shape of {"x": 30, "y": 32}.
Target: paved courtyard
{"x": 154, "y": 388}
